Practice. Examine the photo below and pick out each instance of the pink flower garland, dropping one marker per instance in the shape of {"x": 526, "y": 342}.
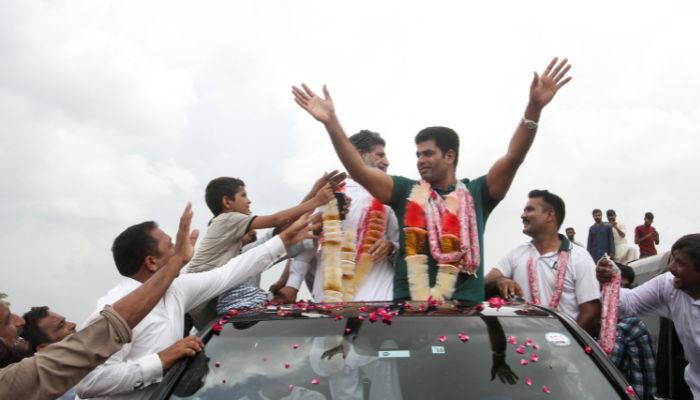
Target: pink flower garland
{"x": 610, "y": 297}
{"x": 469, "y": 248}
{"x": 558, "y": 286}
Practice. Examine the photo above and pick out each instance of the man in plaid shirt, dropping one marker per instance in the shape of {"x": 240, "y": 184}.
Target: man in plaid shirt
{"x": 633, "y": 353}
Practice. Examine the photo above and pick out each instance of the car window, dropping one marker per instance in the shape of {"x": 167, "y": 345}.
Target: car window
{"x": 414, "y": 357}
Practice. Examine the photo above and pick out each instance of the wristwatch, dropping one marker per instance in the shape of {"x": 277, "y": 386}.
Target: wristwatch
{"x": 529, "y": 124}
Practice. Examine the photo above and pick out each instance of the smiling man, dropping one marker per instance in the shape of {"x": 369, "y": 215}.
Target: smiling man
{"x": 674, "y": 295}
{"x": 549, "y": 270}
{"x": 451, "y": 213}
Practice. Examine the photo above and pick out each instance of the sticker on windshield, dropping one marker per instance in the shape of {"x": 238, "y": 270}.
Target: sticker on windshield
{"x": 394, "y": 354}
{"x": 557, "y": 339}
{"x": 438, "y": 349}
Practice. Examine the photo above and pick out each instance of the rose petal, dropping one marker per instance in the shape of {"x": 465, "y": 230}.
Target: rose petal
{"x": 314, "y": 381}
{"x": 217, "y": 364}
{"x": 464, "y": 338}
{"x": 479, "y": 308}
{"x": 348, "y": 330}
{"x": 520, "y": 350}
{"x": 295, "y": 346}
{"x": 630, "y": 390}
{"x": 524, "y": 362}
{"x": 528, "y": 381}
{"x": 361, "y": 318}
{"x": 528, "y": 342}
{"x": 442, "y": 338}
{"x": 534, "y": 358}
{"x": 362, "y": 309}
{"x": 512, "y": 340}
{"x": 291, "y": 387}
{"x": 588, "y": 349}
{"x": 372, "y": 316}
{"x": 545, "y": 389}
{"x": 338, "y": 317}
{"x": 535, "y": 347}
{"x": 286, "y": 365}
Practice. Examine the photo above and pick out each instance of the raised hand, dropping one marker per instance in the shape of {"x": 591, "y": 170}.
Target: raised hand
{"x": 324, "y": 195}
{"x": 301, "y": 229}
{"x": 320, "y": 108}
{"x": 185, "y": 240}
{"x": 543, "y": 88}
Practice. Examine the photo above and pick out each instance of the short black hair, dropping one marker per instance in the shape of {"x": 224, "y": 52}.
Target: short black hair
{"x": 365, "y": 141}
{"x": 611, "y": 212}
{"x": 596, "y": 210}
{"x": 690, "y": 246}
{"x": 132, "y": 247}
{"x": 553, "y": 201}
{"x": 445, "y": 138}
{"x": 31, "y": 332}
{"x": 626, "y": 272}
{"x": 649, "y": 215}
{"x": 217, "y": 189}
{"x": 569, "y": 228}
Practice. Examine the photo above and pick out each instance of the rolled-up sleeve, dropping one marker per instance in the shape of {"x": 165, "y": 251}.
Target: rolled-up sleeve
{"x": 59, "y": 366}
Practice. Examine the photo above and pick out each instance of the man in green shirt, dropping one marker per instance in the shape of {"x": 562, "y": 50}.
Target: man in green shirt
{"x": 437, "y": 152}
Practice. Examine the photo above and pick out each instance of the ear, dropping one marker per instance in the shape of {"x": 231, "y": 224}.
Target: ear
{"x": 225, "y": 202}
{"x": 150, "y": 264}
{"x": 450, "y": 156}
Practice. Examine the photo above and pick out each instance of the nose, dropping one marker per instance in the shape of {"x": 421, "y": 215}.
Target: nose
{"x": 71, "y": 326}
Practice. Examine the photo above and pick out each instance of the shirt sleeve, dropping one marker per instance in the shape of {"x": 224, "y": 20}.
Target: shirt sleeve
{"x": 58, "y": 367}
{"x": 587, "y": 286}
{"x": 400, "y": 192}
{"x": 224, "y": 232}
{"x": 648, "y": 298}
{"x": 479, "y": 187}
{"x": 300, "y": 267}
{"x": 117, "y": 376}
{"x": 506, "y": 265}
{"x": 198, "y": 288}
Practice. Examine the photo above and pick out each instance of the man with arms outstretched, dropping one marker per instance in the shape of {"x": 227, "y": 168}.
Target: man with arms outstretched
{"x": 458, "y": 272}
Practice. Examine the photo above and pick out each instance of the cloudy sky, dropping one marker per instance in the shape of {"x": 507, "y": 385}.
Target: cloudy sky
{"x": 117, "y": 112}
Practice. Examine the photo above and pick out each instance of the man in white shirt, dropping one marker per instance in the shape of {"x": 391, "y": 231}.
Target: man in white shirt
{"x": 158, "y": 342}
{"x": 378, "y": 285}
{"x": 674, "y": 295}
{"x": 549, "y": 270}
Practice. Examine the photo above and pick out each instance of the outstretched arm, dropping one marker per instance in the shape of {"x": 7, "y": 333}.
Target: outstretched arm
{"x": 542, "y": 91}
{"x": 376, "y": 181}
{"x": 323, "y": 196}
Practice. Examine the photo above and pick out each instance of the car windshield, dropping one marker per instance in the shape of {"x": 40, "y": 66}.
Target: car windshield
{"x": 413, "y": 357}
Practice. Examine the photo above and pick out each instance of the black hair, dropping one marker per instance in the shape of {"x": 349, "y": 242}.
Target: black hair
{"x": 626, "y": 272}
{"x": 596, "y": 210}
{"x": 553, "y": 201}
{"x": 690, "y": 246}
{"x": 217, "y": 189}
{"x": 365, "y": 141}
{"x": 611, "y": 212}
{"x": 649, "y": 215}
{"x": 445, "y": 138}
{"x": 31, "y": 332}
{"x": 132, "y": 247}
{"x": 569, "y": 227}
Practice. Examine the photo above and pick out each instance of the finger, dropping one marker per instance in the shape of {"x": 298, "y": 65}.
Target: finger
{"x": 301, "y": 104}
{"x": 564, "y": 82}
{"x": 562, "y": 74}
{"x": 326, "y": 93}
{"x": 535, "y": 79}
{"x": 550, "y": 66}
{"x": 194, "y": 236}
{"x": 186, "y": 218}
{"x": 559, "y": 67}
{"x": 298, "y": 93}
{"x": 519, "y": 291}
{"x": 308, "y": 90}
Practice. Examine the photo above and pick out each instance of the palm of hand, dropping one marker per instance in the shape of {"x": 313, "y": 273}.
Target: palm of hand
{"x": 320, "y": 109}
{"x": 544, "y": 91}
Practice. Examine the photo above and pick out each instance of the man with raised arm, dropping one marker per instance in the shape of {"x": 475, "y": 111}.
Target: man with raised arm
{"x": 59, "y": 366}
{"x": 442, "y": 218}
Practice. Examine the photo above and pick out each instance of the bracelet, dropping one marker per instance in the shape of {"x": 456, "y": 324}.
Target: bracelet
{"x": 529, "y": 124}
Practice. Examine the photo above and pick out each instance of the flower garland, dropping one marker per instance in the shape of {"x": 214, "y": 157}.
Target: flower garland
{"x": 451, "y": 229}
{"x": 610, "y": 297}
{"x": 345, "y": 266}
{"x": 563, "y": 262}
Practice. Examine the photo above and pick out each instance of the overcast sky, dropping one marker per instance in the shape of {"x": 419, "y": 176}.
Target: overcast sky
{"x": 117, "y": 112}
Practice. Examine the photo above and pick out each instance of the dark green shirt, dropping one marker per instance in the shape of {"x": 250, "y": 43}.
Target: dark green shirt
{"x": 468, "y": 287}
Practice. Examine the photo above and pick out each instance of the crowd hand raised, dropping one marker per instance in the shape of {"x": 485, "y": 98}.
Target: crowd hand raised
{"x": 185, "y": 240}
{"x": 605, "y": 270}
{"x": 380, "y": 249}
{"x": 324, "y": 195}
{"x": 187, "y": 347}
{"x": 544, "y": 87}
{"x": 334, "y": 177}
{"x": 301, "y": 229}
{"x": 320, "y": 108}
{"x": 507, "y": 288}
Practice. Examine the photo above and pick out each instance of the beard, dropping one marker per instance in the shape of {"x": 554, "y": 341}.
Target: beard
{"x": 12, "y": 353}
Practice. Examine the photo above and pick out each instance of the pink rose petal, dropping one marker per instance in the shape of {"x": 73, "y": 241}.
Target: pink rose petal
{"x": 295, "y": 346}
{"x": 373, "y": 317}
{"x": 520, "y": 350}
{"x": 362, "y": 309}
{"x": 535, "y": 347}
{"x": 442, "y": 338}
{"x": 361, "y": 318}
{"x": 630, "y": 390}
{"x": 291, "y": 387}
{"x": 464, "y": 338}
{"x": 546, "y": 389}
{"x": 479, "y": 307}
{"x": 348, "y": 330}
{"x": 588, "y": 349}
{"x": 286, "y": 365}
{"x": 314, "y": 381}
{"x": 217, "y": 364}
{"x": 528, "y": 342}
{"x": 338, "y": 317}
{"x": 534, "y": 358}
{"x": 528, "y": 381}
{"x": 524, "y": 362}
{"x": 512, "y": 340}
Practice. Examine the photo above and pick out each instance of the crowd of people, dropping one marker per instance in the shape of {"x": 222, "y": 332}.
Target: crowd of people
{"x": 384, "y": 238}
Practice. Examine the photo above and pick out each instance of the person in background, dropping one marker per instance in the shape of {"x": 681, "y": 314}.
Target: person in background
{"x": 646, "y": 236}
